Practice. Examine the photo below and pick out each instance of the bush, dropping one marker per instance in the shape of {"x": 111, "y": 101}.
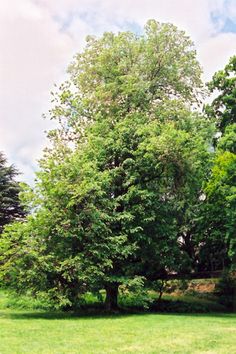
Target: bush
{"x": 186, "y": 306}
{"x": 138, "y": 300}
{"x": 15, "y": 301}
{"x": 225, "y": 290}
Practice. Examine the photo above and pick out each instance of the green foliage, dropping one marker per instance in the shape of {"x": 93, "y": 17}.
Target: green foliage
{"x": 221, "y": 193}
{"x": 139, "y": 300}
{"x": 219, "y": 217}
{"x": 228, "y": 140}
{"x": 10, "y": 300}
{"x": 223, "y": 108}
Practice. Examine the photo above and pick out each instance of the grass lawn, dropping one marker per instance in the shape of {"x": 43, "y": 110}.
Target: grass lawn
{"x": 25, "y": 330}
{"x": 43, "y": 332}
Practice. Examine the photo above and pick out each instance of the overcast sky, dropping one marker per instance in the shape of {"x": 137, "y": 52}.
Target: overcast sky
{"x": 38, "y": 39}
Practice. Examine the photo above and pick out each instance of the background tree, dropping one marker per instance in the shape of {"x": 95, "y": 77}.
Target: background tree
{"x": 219, "y": 214}
{"x": 10, "y": 207}
{"x": 109, "y": 200}
{"x": 223, "y": 107}
{"x": 221, "y": 192}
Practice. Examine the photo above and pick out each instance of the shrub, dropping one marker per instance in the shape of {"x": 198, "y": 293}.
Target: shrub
{"x": 225, "y": 290}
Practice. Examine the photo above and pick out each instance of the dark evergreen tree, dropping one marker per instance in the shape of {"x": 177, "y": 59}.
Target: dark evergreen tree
{"x": 10, "y": 207}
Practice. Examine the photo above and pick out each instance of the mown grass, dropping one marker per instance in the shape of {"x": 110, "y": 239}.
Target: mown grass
{"x": 26, "y": 332}
{"x": 38, "y": 331}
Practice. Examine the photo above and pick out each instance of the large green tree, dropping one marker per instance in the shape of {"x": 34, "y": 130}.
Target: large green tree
{"x": 113, "y": 189}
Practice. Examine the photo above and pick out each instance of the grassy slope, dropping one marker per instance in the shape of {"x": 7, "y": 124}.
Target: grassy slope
{"x": 23, "y": 331}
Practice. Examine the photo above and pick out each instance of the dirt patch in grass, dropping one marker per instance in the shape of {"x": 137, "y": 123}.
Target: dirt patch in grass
{"x": 206, "y": 287}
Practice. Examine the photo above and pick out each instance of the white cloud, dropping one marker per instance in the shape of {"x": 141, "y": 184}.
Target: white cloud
{"x": 34, "y": 55}
{"x": 215, "y": 52}
{"x": 39, "y": 37}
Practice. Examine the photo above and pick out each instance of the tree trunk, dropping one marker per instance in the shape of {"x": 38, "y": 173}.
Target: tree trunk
{"x": 161, "y": 288}
{"x": 111, "y": 302}
{"x": 234, "y": 296}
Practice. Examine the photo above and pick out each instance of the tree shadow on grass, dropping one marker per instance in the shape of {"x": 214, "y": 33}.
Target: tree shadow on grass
{"x": 70, "y": 315}
{"x": 51, "y": 315}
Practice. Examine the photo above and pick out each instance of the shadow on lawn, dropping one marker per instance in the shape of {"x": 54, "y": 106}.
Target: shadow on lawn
{"x": 102, "y": 315}
{"x": 70, "y": 315}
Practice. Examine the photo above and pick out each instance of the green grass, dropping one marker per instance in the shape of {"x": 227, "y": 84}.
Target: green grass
{"x": 25, "y": 331}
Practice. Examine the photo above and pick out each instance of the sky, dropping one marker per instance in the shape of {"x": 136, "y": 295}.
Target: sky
{"x": 38, "y": 39}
